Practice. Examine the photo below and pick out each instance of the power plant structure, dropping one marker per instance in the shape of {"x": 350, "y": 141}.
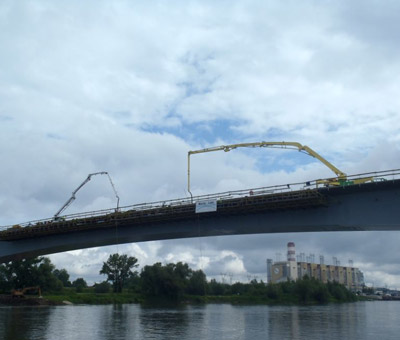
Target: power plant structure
{"x": 297, "y": 267}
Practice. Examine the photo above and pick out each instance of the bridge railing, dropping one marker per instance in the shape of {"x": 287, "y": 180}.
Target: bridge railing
{"x": 378, "y": 176}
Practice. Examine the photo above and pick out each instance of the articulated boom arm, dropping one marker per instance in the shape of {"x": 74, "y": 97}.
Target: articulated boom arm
{"x": 72, "y": 198}
{"x": 282, "y": 145}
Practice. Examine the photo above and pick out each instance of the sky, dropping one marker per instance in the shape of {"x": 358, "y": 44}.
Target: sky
{"x": 129, "y": 87}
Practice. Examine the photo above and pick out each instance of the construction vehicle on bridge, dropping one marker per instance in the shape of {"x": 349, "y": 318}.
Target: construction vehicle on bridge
{"x": 340, "y": 180}
{"x": 72, "y": 198}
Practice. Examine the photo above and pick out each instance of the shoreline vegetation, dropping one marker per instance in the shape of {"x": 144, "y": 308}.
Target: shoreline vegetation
{"x": 158, "y": 284}
{"x": 302, "y": 292}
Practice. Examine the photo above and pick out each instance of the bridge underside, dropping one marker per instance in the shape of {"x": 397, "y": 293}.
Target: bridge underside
{"x": 368, "y": 207}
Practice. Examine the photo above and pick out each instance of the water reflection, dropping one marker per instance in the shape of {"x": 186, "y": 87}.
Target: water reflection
{"x": 223, "y": 322}
{"x": 165, "y": 323}
{"x": 100, "y": 322}
{"x": 315, "y": 322}
{"x": 119, "y": 322}
{"x": 365, "y": 320}
{"x": 20, "y": 323}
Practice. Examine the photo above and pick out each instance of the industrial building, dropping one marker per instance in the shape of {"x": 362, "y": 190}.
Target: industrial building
{"x": 297, "y": 267}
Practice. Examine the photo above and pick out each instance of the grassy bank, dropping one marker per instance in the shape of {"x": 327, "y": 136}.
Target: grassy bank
{"x": 261, "y": 300}
{"x": 126, "y": 297}
{"x": 301, "y": 292}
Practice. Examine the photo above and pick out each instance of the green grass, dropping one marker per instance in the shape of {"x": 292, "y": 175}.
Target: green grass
{"x": 302, "y": 292}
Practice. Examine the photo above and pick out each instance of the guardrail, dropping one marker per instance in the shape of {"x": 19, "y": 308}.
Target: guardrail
{"x": 378, "y": 176}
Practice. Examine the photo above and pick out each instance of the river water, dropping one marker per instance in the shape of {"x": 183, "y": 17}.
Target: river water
{"x": 361, "y": 320}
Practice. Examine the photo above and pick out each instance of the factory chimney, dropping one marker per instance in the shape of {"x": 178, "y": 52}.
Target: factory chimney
{"x": 292, "y": 264}
{"x": 291, "y": 252}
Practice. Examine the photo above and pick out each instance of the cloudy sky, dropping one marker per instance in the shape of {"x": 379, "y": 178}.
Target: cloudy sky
{"x": 129, "y": 87}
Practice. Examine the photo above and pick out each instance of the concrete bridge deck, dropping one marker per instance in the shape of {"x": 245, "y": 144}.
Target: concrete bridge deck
{"x": 370, "y": 206}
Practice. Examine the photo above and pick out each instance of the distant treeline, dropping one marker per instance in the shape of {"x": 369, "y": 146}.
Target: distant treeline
{"x": 175, "y": 282}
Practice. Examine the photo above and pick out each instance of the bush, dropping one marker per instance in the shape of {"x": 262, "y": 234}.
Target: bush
{"x": 102, "y": 287}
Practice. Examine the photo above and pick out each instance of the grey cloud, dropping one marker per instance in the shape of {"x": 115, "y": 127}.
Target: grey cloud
{"x": 372, "y": 22}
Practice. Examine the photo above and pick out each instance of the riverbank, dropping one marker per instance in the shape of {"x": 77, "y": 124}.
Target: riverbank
{"x": 95, "y": 298}
{"x": 301, "y": 292}
{"x": 126, "y": 298}
{"x": 8, "y": 300}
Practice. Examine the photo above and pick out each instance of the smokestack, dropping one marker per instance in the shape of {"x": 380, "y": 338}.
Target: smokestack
{"x": 291, "y": 252}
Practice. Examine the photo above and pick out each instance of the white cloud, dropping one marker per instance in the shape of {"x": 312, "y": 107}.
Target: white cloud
{"x": 129, "y": 88}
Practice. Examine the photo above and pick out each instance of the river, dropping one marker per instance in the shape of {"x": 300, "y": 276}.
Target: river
{"x": 361, "y": 320}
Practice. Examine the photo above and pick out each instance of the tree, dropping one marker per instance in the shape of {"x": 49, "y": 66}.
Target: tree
{"x": 79, "y": 284}
{"x": 217, "y": 288}
{"x": 36, "y": 271}
{"x": 133, "y": 283}
{"x": 172, "y": 280}
{"x": 197, "y": 283}
{"x": 63, "y": 276}
{"x": 118, "y": 269}
{"x": 158, "y": 280}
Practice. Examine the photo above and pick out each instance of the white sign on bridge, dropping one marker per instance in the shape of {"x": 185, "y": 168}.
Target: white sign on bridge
{"x": 206, "y": 206}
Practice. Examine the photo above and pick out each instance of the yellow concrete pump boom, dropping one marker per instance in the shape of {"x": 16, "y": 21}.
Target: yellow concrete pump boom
{"x": 341, "y": 176}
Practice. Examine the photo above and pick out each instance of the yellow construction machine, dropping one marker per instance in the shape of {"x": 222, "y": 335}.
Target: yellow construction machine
{"x": 340, "y": 180}
{"x": 20, "y": 293}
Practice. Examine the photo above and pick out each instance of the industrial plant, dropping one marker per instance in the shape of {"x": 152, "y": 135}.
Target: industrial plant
{"x": 296, "y": 267}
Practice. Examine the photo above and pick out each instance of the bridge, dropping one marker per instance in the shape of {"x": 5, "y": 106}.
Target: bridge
{"x": 297, "y": 207}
